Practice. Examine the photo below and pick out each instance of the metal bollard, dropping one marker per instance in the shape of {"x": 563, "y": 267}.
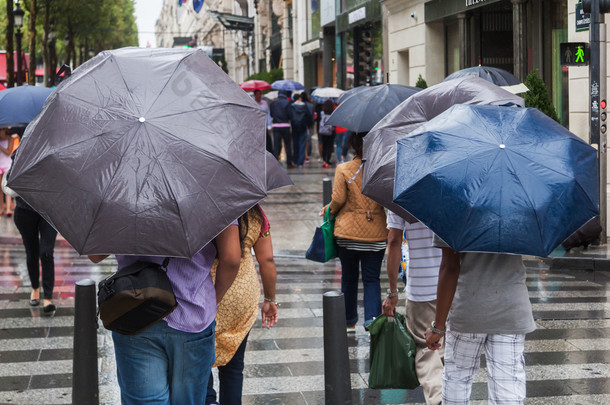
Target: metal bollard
{"x": 327, "y": 190}
{"x": 85, "y": 389}
{"x": 337, "y": 380}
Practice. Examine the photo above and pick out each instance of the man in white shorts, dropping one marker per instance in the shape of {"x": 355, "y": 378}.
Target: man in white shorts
{"x": 490, "y": 309}
{"x": 422, "y": 277}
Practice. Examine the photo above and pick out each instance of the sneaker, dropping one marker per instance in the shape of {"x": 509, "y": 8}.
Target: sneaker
{"x": 351, "y": 329}
{"x": 319, "y": 160}
{"x": 306, "y": 160}
{"x": 325, "y": 165}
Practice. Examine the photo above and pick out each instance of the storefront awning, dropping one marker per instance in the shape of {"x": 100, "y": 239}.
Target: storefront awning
{"x": 233, "y": 22}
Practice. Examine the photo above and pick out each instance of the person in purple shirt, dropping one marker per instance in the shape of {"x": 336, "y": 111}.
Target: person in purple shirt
{"x": 170, "y": 362}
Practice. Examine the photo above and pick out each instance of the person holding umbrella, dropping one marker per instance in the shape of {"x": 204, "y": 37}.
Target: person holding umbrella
{"x": 360, "y": 232}
{"x": 301, "y": 118}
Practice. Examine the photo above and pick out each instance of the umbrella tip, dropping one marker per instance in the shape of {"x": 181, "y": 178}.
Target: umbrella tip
{"x": 141, "y": 119}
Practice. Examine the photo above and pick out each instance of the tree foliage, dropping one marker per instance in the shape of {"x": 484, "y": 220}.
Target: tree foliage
{"x": 538, "y": 95}
{"x": 269, "y": 77}
{"x": 421, "y": 83}
{"x": 81, "y": 28}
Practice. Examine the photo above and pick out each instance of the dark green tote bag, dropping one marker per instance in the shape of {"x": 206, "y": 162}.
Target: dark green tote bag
{"x": 322, "y": 247}
{"x": 392, "y": 356}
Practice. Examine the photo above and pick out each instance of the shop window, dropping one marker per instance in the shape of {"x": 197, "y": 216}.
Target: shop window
{"x": 314, "y": 29}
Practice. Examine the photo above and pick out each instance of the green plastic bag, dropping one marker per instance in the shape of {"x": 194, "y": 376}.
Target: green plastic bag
{"x": 392, "y": 356}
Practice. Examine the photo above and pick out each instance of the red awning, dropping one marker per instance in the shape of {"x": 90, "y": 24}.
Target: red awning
{"x": 25, "y": 62}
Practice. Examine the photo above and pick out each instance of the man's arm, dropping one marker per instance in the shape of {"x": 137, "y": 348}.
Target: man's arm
{"x": 448, "y": 274}
{"x": 393, "y": 261}
{"x": 229, "y": 255}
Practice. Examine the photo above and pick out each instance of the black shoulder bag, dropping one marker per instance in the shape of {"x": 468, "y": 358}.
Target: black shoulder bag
{"x": 135, "y": 297}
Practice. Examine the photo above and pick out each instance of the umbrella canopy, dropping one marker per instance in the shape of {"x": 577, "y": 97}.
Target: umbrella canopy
{"x": 497, "y": 179}
{"x": 276, "y": 174}
{"x": 327, "y": 92}
{"x": 252, "y": 85}
{"x": 499, "y": 77}
{"x": 379, "y": 148}
{"x": 365, "y": 108}
{"x": 19, "y": 105}
{"x": 351, "y": 92}
{"x": 144, "y": 151}
{"x": 287, "y": 85}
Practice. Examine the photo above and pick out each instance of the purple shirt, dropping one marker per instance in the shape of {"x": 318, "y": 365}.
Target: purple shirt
{"x": 193, "y": 287}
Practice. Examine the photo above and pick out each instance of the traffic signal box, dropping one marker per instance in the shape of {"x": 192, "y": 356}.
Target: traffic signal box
{"x": 574, "y": 53}
{"x": 604, "y": 6}
{"x": 365, "y": 53}
{"x": 602, "y": 116}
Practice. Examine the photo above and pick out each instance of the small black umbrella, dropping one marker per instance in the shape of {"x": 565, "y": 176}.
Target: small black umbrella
{"x": 365, "y": 108}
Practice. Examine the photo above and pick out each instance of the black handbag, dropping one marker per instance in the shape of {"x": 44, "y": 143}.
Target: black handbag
{"x": 135, "y": 297}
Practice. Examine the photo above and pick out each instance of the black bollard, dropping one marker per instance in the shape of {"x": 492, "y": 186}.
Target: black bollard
{"x": 327, "y": 190}
{"x": 337, "y": 380}
{"x": 85, "y": 389}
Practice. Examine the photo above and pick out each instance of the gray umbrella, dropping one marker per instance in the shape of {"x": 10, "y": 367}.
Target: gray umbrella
{"x": 379, "y": 147}
{"x": 276, "y": 174}
{"x": 365, "y": 108}
{"x": 144, "y": 151}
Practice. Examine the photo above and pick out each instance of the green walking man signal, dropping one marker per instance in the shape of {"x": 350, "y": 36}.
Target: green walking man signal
{"x": 574, "y": 53}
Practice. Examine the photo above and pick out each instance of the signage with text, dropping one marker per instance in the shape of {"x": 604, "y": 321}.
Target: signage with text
{"x": 582, "y": 19}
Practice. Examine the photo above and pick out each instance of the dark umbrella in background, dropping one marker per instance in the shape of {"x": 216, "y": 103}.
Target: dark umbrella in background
{"x": 276, "y": 174}
{"x": 379, "y": 147}
{"x": 144, "y": 151}
{"x": 348, "y": 93}
{"x": 20, "y": 105}
{"x": 497, "y": 179}
{"x": 287, "y": 85}
{"x": 365, "y": 108}
{"x": 499, "y": 77}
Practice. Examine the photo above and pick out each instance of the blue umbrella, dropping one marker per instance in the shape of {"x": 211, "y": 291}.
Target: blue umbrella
{"x": 497, "y": 179}
{"x": 287, "y": 85}
{"x": 497, "y": 76}
{"x": 20, "y": 105}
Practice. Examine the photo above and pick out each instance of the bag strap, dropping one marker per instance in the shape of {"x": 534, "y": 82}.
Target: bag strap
{"x": 137, "y": 266}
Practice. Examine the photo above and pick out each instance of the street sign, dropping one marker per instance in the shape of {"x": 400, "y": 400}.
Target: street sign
{"x": 574, "y": 53}
{"x": 582, "y": 19}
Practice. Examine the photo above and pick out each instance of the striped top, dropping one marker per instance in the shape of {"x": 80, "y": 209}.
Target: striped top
{"x": 362, "y": 246}
{"x": 424, "y": 259}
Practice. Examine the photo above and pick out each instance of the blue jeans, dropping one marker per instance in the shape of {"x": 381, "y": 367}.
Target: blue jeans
{"x": 164, "y": 366}
{"x": 339, "y": 138}
{"x": 370, "y": 261}
{"x": 299, "y": 141}
{"x": 231, "y": 377}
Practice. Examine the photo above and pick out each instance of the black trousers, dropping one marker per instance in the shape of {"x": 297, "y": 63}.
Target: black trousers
{"x": 282, "y": 134}
{"x": 39, "y": 241}
{"x": 328, "y": 146}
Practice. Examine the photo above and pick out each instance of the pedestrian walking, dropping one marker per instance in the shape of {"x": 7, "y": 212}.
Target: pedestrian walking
{"x": 410, "y": 248}
{"x": 170, "y": 362}
{"x": 280, "y": 114}
{"x": 301, "y": 119}
{"x": 361, "y": 235}
{"x": 7, "y": 147}
{"x": 259, "y": 100}
{"x": 238, "y": 309}
{"x": 311, "y": 109}
{"x": 326, "y": 133}
{"x": 490, "y": 309}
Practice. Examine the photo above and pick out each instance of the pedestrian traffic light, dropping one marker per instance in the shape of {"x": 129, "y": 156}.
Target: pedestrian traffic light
{"x": 364, "y": 56}
{"x": 604, "y": 6}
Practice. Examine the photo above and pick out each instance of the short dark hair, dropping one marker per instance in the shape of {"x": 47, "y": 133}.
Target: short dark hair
{"x": 257, "y": 91}
{"x": 328, "y": 107}
{"x": 296, "y": 96}
{"x": 357, "y": 141}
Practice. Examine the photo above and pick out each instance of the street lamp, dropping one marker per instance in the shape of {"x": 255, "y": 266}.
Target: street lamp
{"x": 18, "y": 14}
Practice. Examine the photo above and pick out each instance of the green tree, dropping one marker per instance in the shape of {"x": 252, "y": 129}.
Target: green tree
{"x": 421, "y": 83}
{"x": 538, "y": 95}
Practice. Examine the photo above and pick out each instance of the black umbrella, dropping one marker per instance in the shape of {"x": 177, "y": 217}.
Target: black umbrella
{"x": 365, "y": 108}
{"x": 497, "y": 76}
{"x": 144, "y": 151}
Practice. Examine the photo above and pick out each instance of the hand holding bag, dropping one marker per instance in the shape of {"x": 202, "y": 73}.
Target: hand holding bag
{"x": 392, "y": 354}
{"x": 135, "y": 297}
{"x": 323, "y": 247}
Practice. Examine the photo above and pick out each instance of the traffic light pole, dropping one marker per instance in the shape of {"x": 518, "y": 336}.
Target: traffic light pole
{"x": 597, "y": 88}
